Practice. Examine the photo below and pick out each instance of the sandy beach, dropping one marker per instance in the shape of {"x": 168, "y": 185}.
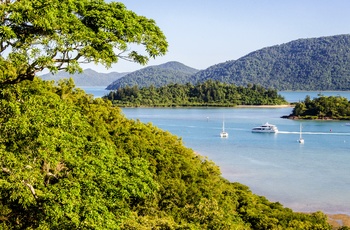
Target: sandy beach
{"x": 265, "y": 106}
{"x": 338, "y": 220}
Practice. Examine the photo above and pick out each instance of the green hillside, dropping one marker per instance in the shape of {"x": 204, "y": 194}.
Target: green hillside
{"x": 88, "y": 77}
{"x": 159, "y": 75}
{"x": 305, "y": 64}
{"x": 69, "y": 161}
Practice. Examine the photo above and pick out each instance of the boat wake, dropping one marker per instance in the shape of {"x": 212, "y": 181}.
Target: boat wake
{"x": 315, "y": 133}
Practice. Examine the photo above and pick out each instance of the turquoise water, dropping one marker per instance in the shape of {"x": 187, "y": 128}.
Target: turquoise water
{"x": 305, "y": 177}
{"x": 296, "y": 96}
{"x": 97, "y": 91}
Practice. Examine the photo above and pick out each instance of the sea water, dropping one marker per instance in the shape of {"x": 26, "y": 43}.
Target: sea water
{"x": 97, "y": 91}
{"x": 305, "y": 177}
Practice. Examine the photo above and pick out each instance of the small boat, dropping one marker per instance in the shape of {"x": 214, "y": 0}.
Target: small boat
{"x": 223, "y": 133}
{"x": 265, "y": 128}
{"x": 301, "y": 139}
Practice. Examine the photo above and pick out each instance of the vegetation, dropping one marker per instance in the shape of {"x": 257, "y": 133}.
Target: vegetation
{"x": 160, "y": 75}
{"x": 209, "y": 93}
{"x": 69, "y": 161}
{"x": 322, "y": 107}
{"x": 305, "y": 64}
{"x": 61, "y": 34}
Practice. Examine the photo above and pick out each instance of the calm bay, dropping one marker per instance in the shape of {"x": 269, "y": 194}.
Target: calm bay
{"x": 304, "y": 177}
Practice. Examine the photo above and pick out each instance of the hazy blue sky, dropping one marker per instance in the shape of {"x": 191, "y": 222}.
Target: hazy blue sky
{"x": 202, "y": 33}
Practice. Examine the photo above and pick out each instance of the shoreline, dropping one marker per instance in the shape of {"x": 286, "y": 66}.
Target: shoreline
{"x": 264, "y": 106}
{"x": 206, "y": 106}
{"x": 335, "y": 219}
{"x": 338, "y": 220}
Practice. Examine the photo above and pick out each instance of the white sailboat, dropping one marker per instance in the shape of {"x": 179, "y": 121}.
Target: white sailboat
{"x": 301, "y": 139}
{"x": 223, "y": 133}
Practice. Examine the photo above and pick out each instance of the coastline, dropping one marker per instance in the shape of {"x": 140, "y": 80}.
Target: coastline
{"x": 206, "y": 106}
{"x": 336, "y": 216}
{"x": 265, "y": 106}
{"x": 336, "y": 220}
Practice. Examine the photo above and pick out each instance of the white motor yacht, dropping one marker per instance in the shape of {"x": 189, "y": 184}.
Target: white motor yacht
{"x": 265, "y": 128}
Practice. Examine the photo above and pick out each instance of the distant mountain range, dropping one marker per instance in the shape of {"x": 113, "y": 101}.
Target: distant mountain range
{"x": 158, "y": 75}
{"x": 305, "y": 64}
{"x": 89, "y": 77}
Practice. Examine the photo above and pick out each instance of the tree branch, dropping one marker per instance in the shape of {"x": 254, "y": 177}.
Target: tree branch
{"x": 6, "y": 170}
{"x": 30, "y": 188}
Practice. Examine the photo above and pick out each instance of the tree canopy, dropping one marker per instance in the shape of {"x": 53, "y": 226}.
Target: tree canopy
{"x": 62, "y": 34}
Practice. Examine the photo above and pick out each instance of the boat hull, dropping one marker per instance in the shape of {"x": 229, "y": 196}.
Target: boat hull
{"x": 266, "y": 128}
{"x": 264, "y": 131}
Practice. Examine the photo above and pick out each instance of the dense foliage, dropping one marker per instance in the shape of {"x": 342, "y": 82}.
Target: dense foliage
{"x": 61, "y": 34}
{"x": 159, "y": 75}
{"x": 69, "y": 161}
{"x": 305, "y": 64}
{"x": 209, "y": 93}
{"x": 322, "y": 107}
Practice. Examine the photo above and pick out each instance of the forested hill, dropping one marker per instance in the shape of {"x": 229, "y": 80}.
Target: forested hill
{"x": 158, "y": 75}
{"x": 305, "y": 64}
{"x": 88, "y": 77}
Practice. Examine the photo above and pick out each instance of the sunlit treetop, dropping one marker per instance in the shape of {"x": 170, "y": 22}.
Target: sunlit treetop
{"x": 62, "y": 34}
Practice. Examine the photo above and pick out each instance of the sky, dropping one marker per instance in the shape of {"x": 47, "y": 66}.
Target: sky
{"x": 202, "y": 33}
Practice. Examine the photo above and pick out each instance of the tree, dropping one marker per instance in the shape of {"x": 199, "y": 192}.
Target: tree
{"x": 62, "y": 34}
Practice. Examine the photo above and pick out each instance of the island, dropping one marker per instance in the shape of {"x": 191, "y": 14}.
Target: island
{"x": 321, "y": 108}
{"x": 209, "y": 93}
